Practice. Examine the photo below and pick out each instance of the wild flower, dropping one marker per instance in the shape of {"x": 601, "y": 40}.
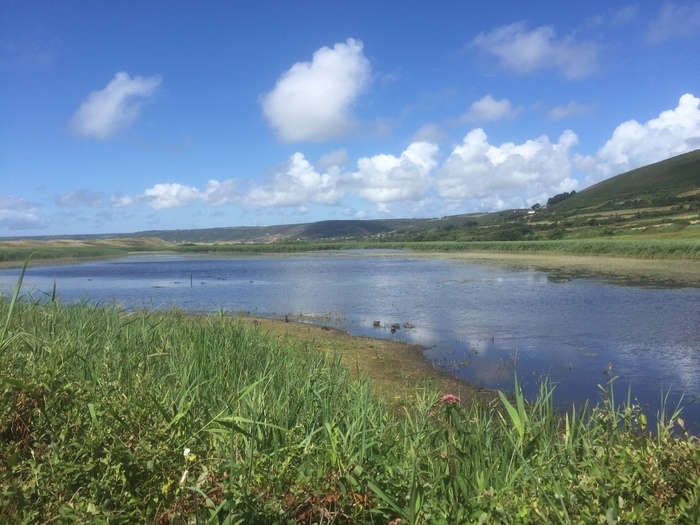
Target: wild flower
{"x": 451, "y": 399}
{"x": 188, "y": 458}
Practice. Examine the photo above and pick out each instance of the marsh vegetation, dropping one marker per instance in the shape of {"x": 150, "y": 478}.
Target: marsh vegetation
{"x": 109, "y": 416}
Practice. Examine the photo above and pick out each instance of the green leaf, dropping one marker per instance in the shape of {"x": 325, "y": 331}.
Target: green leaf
{"x": 93, "y": 414}
{"x": 518, "y": 423}
{"x": 379, "y": 492}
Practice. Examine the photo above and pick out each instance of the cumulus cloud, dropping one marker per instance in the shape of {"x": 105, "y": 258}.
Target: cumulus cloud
{"x": 312, "y": 100}
{"x": 632, "y": 144}
{"x": 298, "y": 184}
{"x": 174, "y": 195}
{"x": 675, "y": 20}
{"x": 113, "y": 108}
{"x": 19, "y": 214}
{"x": 488, "y": 177}
{"x": 571, "y": 109}
{"x": 525, "y": 51}
{"x": 170, "y": 195}
{"x": 475, "y": 176}
{"x": 80, "y": 198}
{"x": 489, "y": 109}
{"x": 384, "y": 179}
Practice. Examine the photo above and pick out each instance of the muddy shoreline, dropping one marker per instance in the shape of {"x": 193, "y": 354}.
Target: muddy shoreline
{"x": 395, "y": 368}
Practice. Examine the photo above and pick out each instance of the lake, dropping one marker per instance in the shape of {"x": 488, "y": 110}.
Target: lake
{"x": 479, "y": 322}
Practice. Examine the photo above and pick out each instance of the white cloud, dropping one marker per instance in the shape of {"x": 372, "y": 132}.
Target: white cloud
{"x": 170, "y": 195}
{"x": 121, "y": 201}
{"x": 300, "y": 183}
{"x": 311, "y": 101}
{"x": 19, "y": 214}
{"x": 488, "y": 177}
{"x": 675, "y": 20}
{"x": 476, "y": 175}
{"x": 383, "y": 179}
{"x": 174, "y": 195}
{"x": 526, "y": 51}
{"x": 218, "y": 193}
{"x": 334, "y": 160}
{"x": 571, "y": 109}
{"x": 633, "y": 144}
{"x": 80, "y": 198}
{"x": 113, "y": 108}
{"x": 489, "y": 109}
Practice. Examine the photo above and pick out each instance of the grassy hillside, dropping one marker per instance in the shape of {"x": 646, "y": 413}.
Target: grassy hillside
{"x": 672, "y": 181}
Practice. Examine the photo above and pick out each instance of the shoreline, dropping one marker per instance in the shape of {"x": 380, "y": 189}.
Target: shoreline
{"x": 393, "y": 367}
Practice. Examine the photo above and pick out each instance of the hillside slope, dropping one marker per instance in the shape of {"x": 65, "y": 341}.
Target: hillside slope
{"x": 670, "y": 181}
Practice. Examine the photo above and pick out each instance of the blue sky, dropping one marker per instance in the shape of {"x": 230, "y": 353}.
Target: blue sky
{"x": 120, "y": 116}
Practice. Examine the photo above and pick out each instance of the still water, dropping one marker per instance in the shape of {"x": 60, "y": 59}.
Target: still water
{"x": 481, "y": 323}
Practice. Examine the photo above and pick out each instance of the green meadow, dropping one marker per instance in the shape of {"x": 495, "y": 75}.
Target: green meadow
{"x": 109, "y": 416}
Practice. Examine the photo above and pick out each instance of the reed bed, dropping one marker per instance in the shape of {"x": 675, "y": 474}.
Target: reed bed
{"x": 109, "y": 416}
{"x": 637, "y": 248}
{"x": 15, "y": 254}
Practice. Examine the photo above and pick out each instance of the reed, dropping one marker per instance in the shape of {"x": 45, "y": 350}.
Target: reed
{"x": 119, "y": 416}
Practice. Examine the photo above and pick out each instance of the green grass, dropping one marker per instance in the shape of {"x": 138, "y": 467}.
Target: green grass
{"x": 109, "y": 416}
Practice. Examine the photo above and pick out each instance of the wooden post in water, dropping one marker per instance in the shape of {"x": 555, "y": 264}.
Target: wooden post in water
{"x": 190, "y": 279}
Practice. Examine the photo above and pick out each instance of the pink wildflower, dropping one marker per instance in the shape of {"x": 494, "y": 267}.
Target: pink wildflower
{"x": 451, "y": 399}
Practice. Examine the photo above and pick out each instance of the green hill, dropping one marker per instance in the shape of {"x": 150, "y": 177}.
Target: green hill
{"x": 672, "y": 181}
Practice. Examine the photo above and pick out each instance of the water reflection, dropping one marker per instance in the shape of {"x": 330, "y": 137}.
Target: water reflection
{"x": 481, "y": 323}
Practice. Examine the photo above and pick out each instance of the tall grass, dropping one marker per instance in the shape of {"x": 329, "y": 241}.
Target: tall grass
{"x": 109, "y": 416}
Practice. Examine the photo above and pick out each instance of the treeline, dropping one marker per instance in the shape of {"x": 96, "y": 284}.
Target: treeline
{"x": 558, "y": 198}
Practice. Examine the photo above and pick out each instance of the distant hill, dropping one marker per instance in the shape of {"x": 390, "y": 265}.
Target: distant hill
{"x": 664, "y": 188}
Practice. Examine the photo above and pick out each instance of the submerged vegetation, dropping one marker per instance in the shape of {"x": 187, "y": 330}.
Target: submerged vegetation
{"x": 108, "y": 416}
